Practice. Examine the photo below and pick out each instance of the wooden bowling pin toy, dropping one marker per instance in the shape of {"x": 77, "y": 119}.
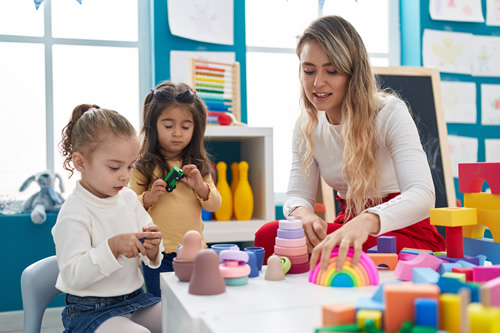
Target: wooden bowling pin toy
{"x": 243, "y": 198}
{"x": 235, "y": 177}
{"x": 225, "y": 211}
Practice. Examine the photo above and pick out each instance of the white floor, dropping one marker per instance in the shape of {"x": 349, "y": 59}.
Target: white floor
{"x": 12, "y": 322}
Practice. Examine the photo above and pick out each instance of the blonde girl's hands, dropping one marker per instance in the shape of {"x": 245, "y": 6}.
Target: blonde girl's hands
{"x": 193, "y": 178}
{"x": 157, "y": 190}
{"x": 351, "y": 235}
{"x": 152, "y": 240}
{"x": 314, "y": 227}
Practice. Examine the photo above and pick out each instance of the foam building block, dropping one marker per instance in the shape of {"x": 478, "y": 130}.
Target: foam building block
{"x": 389, "y": 260}
{"x": 338, "y": 314}
{"x": 466, "y": 264}
{"x": 471, "y": 176}
{"x": 386, "y": 244}
{"x": 406, "y": 256}
{"x": 487, "y": 218}
{"x": 372, "y": 249}
{"x": 483, "y": 319}
{"x": 483, "y": 274}
{"x": 467, "y": 271}
{"x": 458, "y": 276}
{"x": 490, "y": 293}
{"x": 414, "y": 251}
{"x": 482, "y": 246}
{"x": 424, "y": 275}
{"x": 471, "y": 259}
{"x": 426, "y": 312}
{"x": 363, "y": 315}
{"x": 367, "y": 303}
{"x": 447, "y": 267}
{"x": 453, "y": 217}
{"x": 482, "y": 259}
{"x": 482, "y": 200}
{"x": 449, "y": 313}
{"x": 378, "y": 295}
{"x": 449, "y": 285}
{"x": 399, "y": 302}
{"x": 404, "y": 269}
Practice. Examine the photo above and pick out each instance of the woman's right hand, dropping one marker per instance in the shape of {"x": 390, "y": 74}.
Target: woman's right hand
{"x": 314, "y": 227}
{"x": 157, "y": 190}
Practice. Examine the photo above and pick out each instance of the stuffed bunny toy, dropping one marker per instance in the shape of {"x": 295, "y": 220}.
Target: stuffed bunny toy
{"x": 47, "y": 199}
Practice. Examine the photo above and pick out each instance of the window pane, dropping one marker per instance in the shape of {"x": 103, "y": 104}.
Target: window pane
{"x": 22, "y": 116}
{"x": 95, "y": 19}
{"x": 369, "y": 17}
{"x": 277, "y": 23}
{"x": 273, "y": 101}
{"x": 106, "y": 76}
{"x": 21, "y": 18}
{"x": 379, "y": 62}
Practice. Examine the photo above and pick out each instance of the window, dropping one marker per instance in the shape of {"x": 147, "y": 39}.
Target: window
{"x": 273, "y": 85}
{"x": 57, "y": 57}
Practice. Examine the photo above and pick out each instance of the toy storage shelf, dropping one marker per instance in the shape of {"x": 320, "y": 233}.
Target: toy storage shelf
{"x": 255, "y": 147}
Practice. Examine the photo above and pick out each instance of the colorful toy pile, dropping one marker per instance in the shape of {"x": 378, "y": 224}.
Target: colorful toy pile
{"x": 291, "y": 243}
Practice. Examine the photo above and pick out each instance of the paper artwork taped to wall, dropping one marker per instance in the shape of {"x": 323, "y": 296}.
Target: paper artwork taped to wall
{"x": 459, "y": 101}
{"x": 493, "y": 12}
{"x": 486, "y": 56}
{"x": 448, "y": 51}
{"x": 456, "y": 10}
{"x": 462, "y": 150}
{"x": 490, "y": 104}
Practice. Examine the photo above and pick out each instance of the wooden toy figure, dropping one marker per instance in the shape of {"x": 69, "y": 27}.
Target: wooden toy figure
{"x": 243, "y": 198}
{"x": 235, "y": 177}
{"x": 225, "y": 211}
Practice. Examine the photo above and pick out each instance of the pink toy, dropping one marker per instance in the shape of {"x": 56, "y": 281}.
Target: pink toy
{"x": 191, "y": 245}
{"x": 364, "y": 274}
{"x": 297, "y": 260}
{"x": 290, "y": 251}
{"x": 472, "y": 175}
{"x": 274, "y": 272}
{"x": 206, "y": 278}
{"x": 490, "y": 293}
{"x": 234, "y": 269}
{"x": 404, "y": 269}
{"x": 294, "y": 242}
{"x": 484, "y": 273}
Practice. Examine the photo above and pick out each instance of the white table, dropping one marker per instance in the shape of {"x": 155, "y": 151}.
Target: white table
{"x": 291, "y": 305}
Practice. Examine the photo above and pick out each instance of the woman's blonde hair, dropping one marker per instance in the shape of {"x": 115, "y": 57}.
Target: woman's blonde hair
{"x": 86, "y": 128}
{"x": 346, "y": 51}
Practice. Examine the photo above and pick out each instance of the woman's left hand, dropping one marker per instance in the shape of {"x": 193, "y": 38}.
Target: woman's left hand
{"x": 193, "y": 178}
{"x": 352, "y": 234}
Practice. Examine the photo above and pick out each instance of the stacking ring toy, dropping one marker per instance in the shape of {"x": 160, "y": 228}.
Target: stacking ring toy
{"x": 234, "y": 255}
{"x": 290, "y": 224}
{"x": 290, "y": 242}
{"x": 290, "y": 234}
{"x": 236, "y": 271}
{"x": 237, "y": 281}
{"x": 286, "y": 264}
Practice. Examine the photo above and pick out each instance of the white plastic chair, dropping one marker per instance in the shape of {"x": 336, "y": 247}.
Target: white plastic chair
{"x": 38, "y": 289}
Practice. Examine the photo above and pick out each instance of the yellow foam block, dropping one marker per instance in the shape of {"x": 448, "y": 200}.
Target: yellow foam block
{"x": 363, "y": 315}
{"x": 449, "y": 310}
{"x": 453, "y": 217}
{"x": 486, "y": 218}
{"x": 482, "y": 200}
{"x": 454, "y": 275}
{"x": 483, "y": 319}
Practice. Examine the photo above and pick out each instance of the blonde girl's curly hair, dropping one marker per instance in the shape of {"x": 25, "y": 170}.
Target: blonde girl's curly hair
{"x": 346, "y": 51}
{"x": 86, "y": 128}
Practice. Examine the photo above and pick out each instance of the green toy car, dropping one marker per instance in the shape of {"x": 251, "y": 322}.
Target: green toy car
{"x": 172, "y": 178}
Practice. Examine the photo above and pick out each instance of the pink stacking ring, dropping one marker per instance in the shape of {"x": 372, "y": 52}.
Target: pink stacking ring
{"x": 232, "y": 272}
{"x": 289, "y": 234}
{"x": 290, "y": 224}
{"x": 290, "y": 251}
{"x": 290, "y": 242}
{"x": 235, "y": 255}
{"x": 298, "y": 269}
{"x": 301, "y": 259}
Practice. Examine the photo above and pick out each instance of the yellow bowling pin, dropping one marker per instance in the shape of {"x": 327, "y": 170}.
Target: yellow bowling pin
{"x": 235, "y": 177}
{"x": 225, "y": 211}
{"x": 243, "y": 198}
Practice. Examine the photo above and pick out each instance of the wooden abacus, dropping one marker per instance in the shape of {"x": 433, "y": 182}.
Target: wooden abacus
{"x": 218, "y": 85}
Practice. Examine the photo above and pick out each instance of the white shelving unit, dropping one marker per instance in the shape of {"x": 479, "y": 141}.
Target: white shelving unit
{"x": 256, "y": 147}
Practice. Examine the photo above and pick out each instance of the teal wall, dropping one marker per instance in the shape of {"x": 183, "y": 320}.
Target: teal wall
{"x": 163, "y": 42}
{"x": 415, "y": 18}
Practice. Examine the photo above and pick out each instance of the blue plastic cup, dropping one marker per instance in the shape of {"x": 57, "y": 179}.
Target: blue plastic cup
{"x": 219, "y": 247}
{"x": 252, "y": 262}
{"x": 259, "y": 254}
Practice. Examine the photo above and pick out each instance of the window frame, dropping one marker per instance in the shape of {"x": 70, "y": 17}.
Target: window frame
{"x": 143, "y": 44}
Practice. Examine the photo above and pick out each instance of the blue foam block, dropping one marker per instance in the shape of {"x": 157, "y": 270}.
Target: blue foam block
{"x": 473, "y": 260}
{"x": 366, "y": 303}
{"x": 466, "y": 264}
{"x": 386, "y": 244}
{"x": 452, "y": 286}
{"x": 484, "y": 246}
{"x": 447, "y": 267}
{"x": 424, "y": 275}
{"x": 426, "y": 312}
{"x": 372, "y": 249}
{"x": 378, "y": 295}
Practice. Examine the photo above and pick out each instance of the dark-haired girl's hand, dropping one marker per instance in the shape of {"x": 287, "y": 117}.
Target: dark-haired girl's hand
{"x": 352, "y": 234}
{"x": 157, "y": 190}
{"x": 193, "y": 178}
